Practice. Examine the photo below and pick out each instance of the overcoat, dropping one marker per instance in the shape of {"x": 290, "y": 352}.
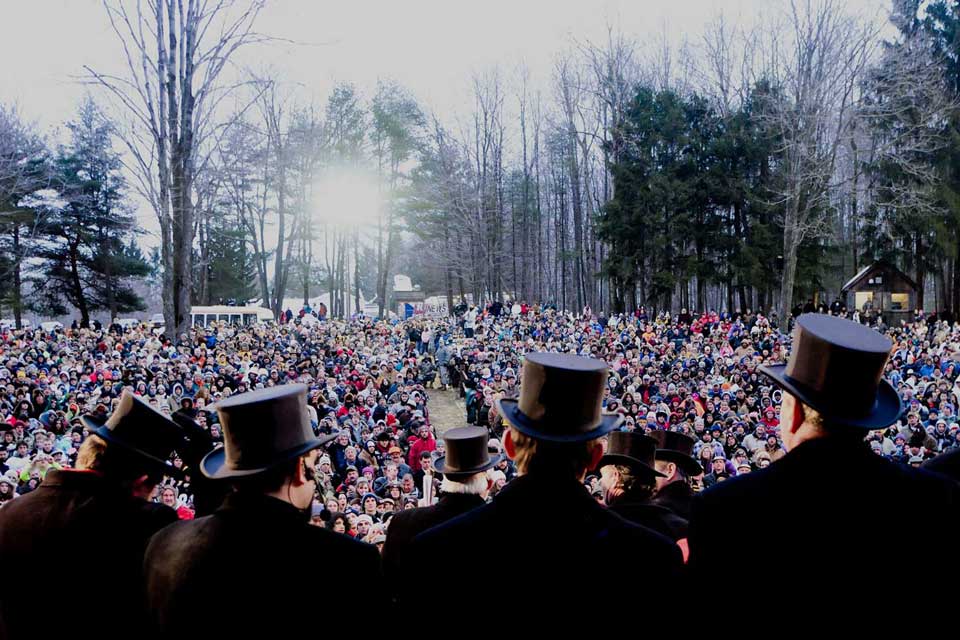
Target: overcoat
{"x": 834, "y": 520}
{"x": 82, "y": 531}
{"x": 555, "y": 547}
{"x": 676, "y": 497}
{"x": 405, "y": 526}
{"x": 652, "y": 516}
{"x": 254, "y": 563}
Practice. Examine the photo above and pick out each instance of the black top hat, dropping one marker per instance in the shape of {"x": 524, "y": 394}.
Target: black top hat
{"x": 467, "y": 453}
{"x": 142, "y": 430}
{"x": 560, "y": 399}
{"x": 262, "y": 429}
{"x": 836, "y": 367}
{"x": 634, "y": 450}
{"x": 673, "y": 446}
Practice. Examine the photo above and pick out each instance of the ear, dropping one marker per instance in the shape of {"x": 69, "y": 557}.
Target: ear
{"x": 509, "y": 446}
{"x": 143, "y": 487}
{"x": 596, "y": 452}
{"x": 798, "y": 416}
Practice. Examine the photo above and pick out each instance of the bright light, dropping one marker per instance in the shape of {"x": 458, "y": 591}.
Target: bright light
{"x": 347, "y": 197}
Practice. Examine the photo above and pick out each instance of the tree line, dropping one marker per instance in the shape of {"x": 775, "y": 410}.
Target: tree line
{"x": 754, "y": 168}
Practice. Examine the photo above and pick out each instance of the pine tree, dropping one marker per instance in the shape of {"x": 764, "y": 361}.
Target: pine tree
{"x": 86, "y": 255}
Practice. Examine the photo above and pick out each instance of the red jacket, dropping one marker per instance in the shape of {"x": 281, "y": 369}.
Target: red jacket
{"x": 419, "y": 446}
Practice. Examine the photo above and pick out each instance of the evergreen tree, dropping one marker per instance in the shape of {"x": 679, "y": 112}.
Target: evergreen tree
{"x": 87, "y": 255}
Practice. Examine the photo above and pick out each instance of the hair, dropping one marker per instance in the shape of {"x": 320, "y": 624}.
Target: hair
{"x": 823, "y": 427}
{"x": 475, "y": 485}
{"x": 546, "y": 457}
{"x": 638, "y": 487}
{"x": 114, "y": 462}
{"x": 270, "y": 480}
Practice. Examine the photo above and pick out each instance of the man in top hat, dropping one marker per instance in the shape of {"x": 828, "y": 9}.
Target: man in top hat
{"x": 629, "y": 478}
{"x": 99, "y": 508}
{"x": 465, "y": 486}
{"x": 677, "y": 466}
{"x": 831, "y": 506}
{"x": 252, "y": 563}
{"x": 553, "y": 539}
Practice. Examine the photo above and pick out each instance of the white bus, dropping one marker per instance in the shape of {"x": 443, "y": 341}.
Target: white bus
{"x": 204, "y": 316}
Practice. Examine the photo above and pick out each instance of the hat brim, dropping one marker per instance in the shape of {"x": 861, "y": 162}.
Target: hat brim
{"x": 440, "y": 466}
{"x": 885, "y": 411}
{"x": 633, "y": 463}
{"x": 160, "y": 465}
{"x": 214, "y": 464}
{"x": 688, "y": 463}
{"x": 510, "y": 410}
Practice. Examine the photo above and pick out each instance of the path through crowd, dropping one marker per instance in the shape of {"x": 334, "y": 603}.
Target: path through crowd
{"x": 446, "y": 410}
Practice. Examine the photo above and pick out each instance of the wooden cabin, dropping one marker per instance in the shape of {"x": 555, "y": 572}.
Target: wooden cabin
{"x": 882, "y": 288}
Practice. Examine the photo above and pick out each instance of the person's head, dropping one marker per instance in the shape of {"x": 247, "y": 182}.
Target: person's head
{"x": 168, "y": 496}
{"x": 130, "y": 471}
{"x": 478, "y": 484}
{"x": 672, "y": 472}
{"x": 408, "y": 484}
{"x": 719, "y": 464}
{"x": 390, "y": 470}
{"x": 425, "y": 460}
{"x": 339, "y": 523}
{"x": 363, "y": 524}
{"x": 293, "y": 481}
{"x": 621, "y": 480}
{"x": 800, "y": 422}
{"x": 530, "y": 455}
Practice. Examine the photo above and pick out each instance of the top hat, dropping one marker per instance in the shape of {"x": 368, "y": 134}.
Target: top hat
{"x": 560, "y": 399}
{"x": 467, "y": 453}
{"x": 634, "y": 450}
{"x": 836, "y": 367}
{"x": 142, "y": 430}
{"x": 673, "y": 446}
{"x": 262, "y": 429}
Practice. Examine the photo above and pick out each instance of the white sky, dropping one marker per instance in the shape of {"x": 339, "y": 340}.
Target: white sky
{"x": 432, "y": 47}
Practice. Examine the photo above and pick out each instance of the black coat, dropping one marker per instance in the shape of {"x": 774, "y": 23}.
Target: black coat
{"x": 652, "y": 516}
{"x": 830, "y": 523}
{"x": 254, "y": 563}
{"x": 947, "y": 464}
{"x": 676, "y": 497}
{"x": 554, "y": 546}
{"x": 405, "y": 525}
{"x": 84, "y": 532}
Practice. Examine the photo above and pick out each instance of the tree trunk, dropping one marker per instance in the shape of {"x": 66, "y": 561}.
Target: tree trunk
{"x": 17, "y": 279}
{"x": 79, "y": 298}
{"x": 790, "y": 247}
{"x": 356, "y": 269}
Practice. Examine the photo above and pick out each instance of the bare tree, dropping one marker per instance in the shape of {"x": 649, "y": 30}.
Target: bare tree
{"x": 175, "y": 52}
{"x": 818, "y": 79}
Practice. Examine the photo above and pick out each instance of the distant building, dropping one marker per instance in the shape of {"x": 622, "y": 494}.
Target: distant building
{"x": 881, "y": 288}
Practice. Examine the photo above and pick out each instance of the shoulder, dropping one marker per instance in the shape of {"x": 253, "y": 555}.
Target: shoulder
{"x": 342, "y": 546}
{"x": 947, "y": 464}
{"x": 471, "y": 523}
{"x": 744, "y": 487}
{"x": 180, "y": 532}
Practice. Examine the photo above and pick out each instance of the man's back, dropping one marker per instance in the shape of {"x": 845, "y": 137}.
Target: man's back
{"x": 561, "y": 545}
{"x": 406, "y": 525}
{"x": 832, "y": 515}
{"x": 254, "y": 562}
{"x": 77, "y": 525}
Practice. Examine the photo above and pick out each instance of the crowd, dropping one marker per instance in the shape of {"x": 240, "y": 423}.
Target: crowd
{"x": 369, "y": 383}
{"x": 194, "y": 468}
